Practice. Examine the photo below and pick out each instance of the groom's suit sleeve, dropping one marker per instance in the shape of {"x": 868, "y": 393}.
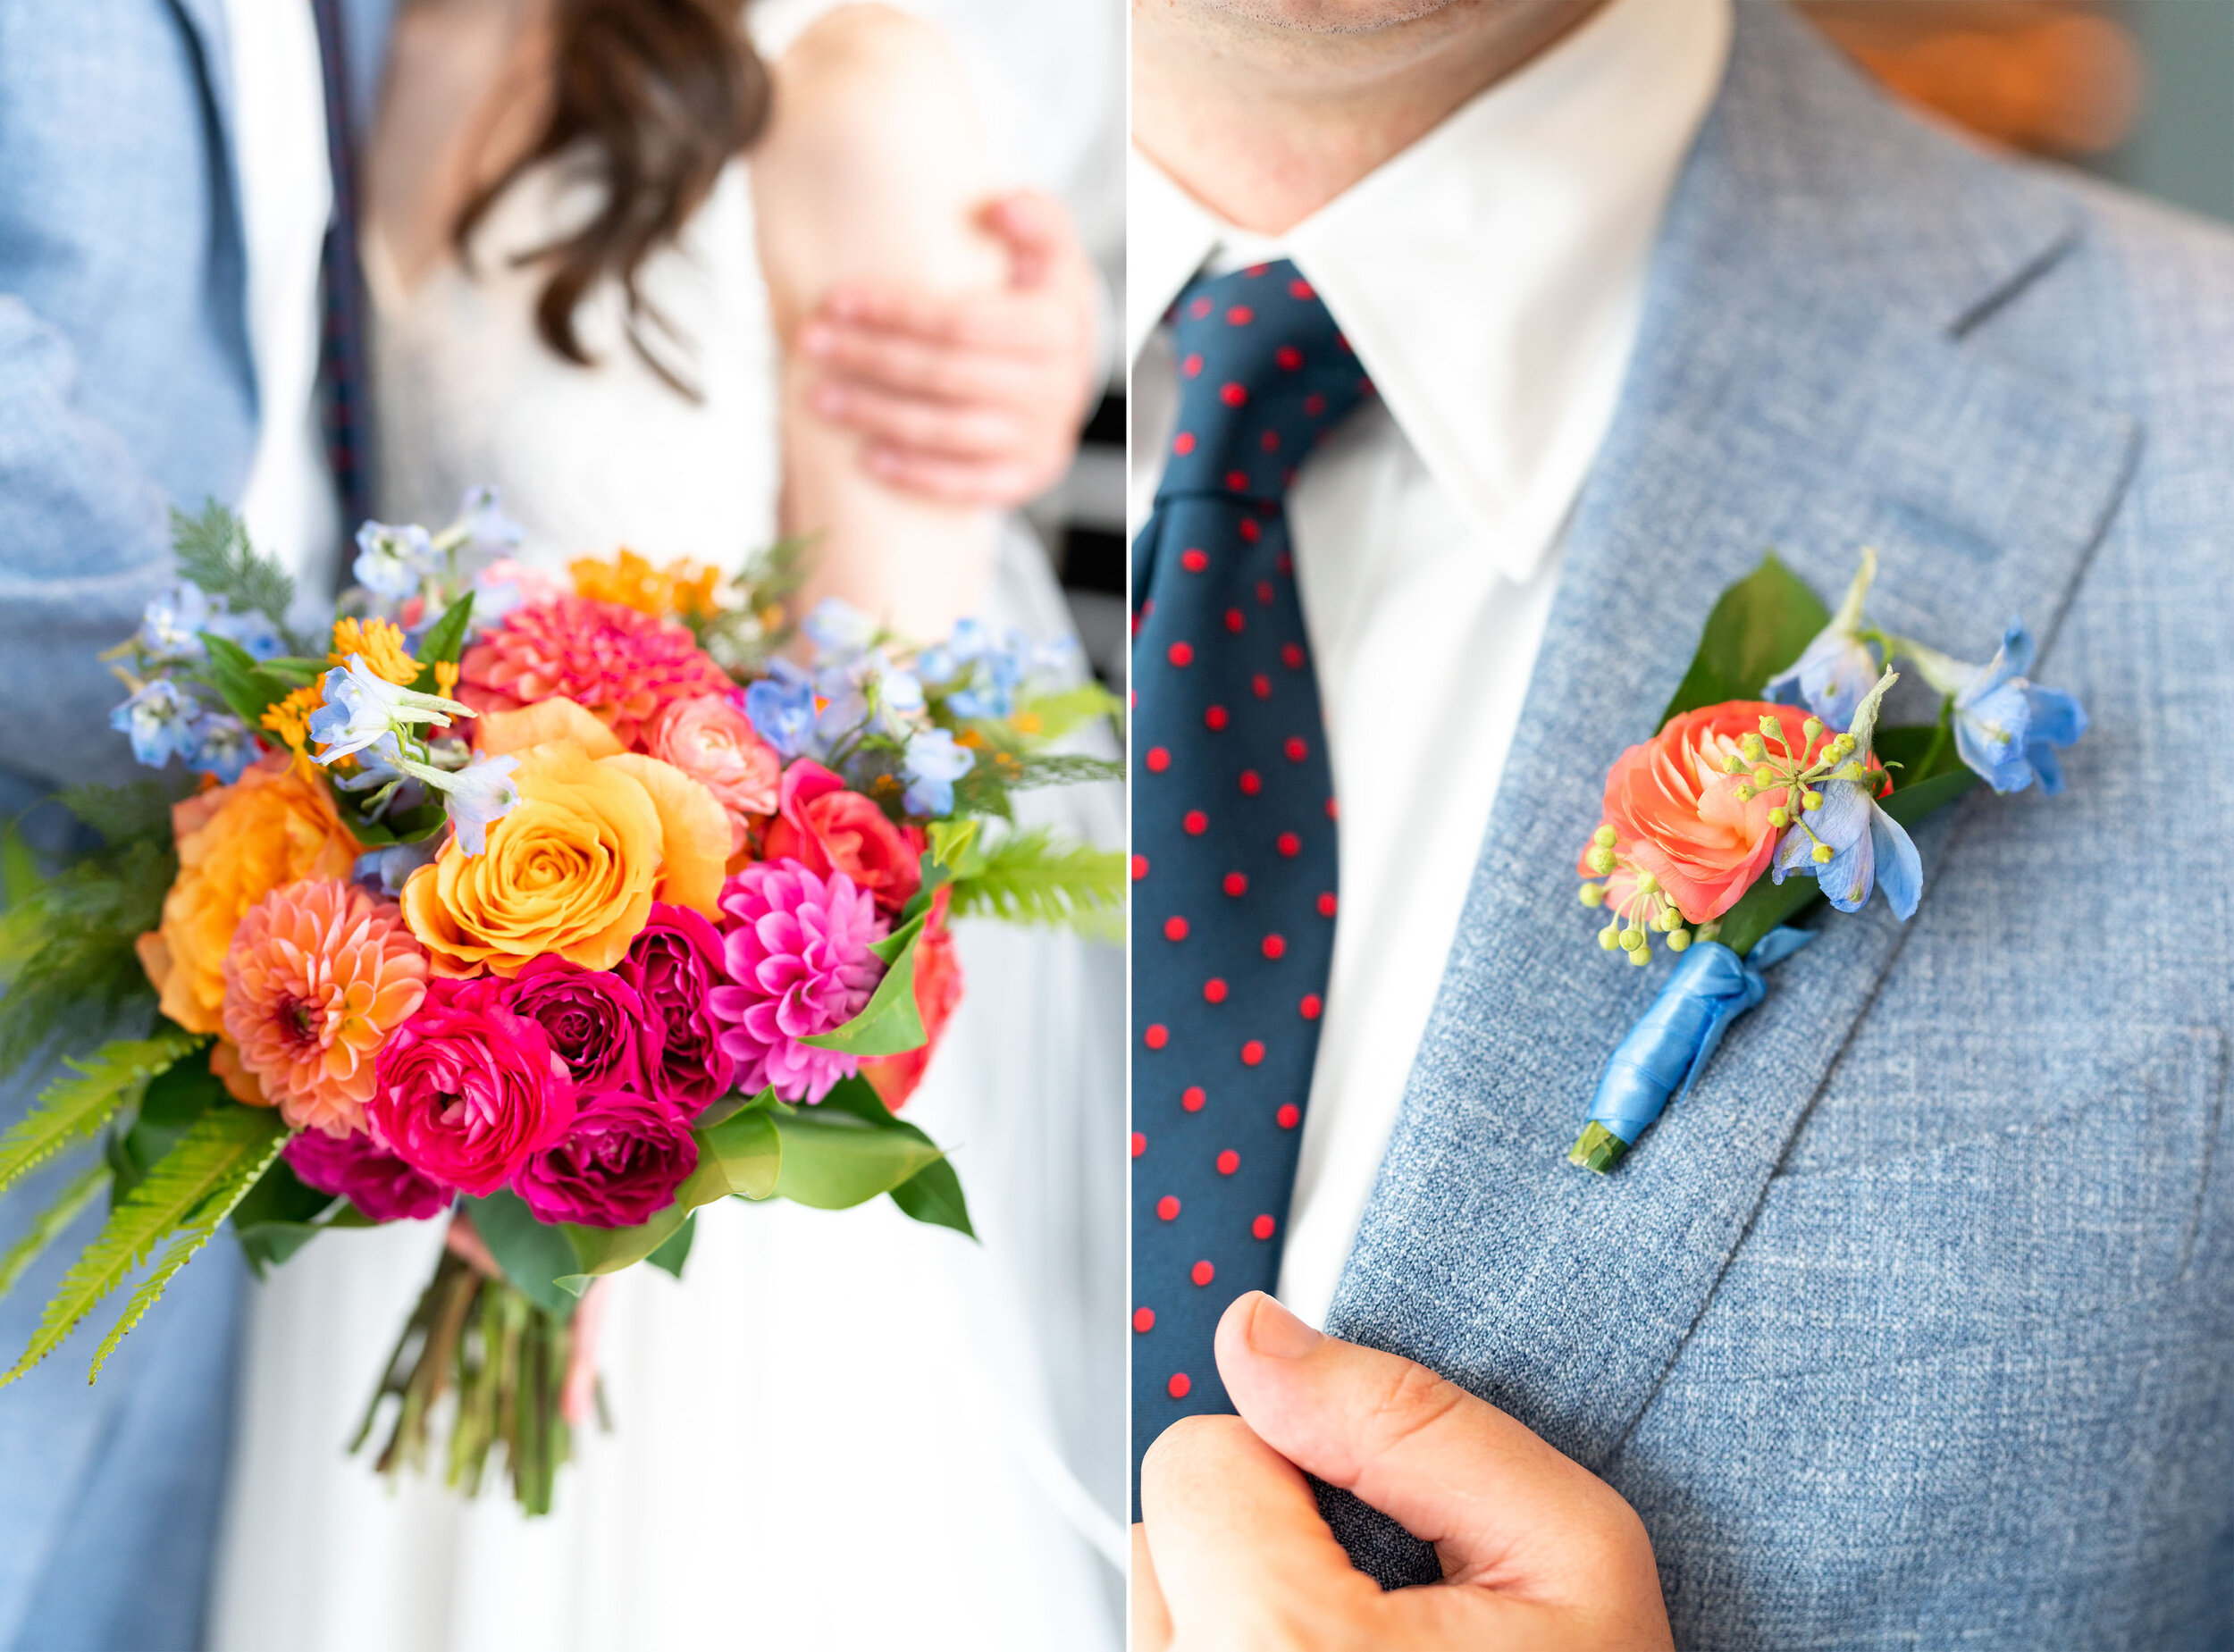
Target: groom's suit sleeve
{"x": 84, "y": 542}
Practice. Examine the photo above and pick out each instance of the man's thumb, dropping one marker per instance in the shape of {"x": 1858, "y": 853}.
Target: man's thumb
{"x": 1035, "y": 229}
{"x": 1504, "y": 1509}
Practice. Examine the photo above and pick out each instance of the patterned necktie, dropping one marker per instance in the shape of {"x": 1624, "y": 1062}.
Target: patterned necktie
{"x": 1233, "y": 827}
{"x": 341, "y": 340}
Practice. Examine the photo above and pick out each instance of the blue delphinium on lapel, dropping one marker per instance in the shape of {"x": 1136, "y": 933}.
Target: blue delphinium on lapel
{"x": 2007, "y": 727}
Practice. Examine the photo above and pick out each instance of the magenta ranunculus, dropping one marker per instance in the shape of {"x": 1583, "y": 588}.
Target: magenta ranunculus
{"x": 796, "y": 953}
{"x": 596, "y": 1021}
{"x": 619, "y": 1165}
{"x": 469, "y": 1087}
{"x": 375, "y": 1180}
{"x": 674, "y": 965}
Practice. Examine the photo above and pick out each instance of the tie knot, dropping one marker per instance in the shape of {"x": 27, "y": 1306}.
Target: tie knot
{"x": 1264, "y": 373}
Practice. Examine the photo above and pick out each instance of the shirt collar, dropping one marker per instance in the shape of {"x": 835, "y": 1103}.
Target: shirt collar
{"x": 1490, "y": 276}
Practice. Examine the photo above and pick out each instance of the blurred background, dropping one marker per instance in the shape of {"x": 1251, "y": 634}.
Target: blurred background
{"x": 2141, "y": 91}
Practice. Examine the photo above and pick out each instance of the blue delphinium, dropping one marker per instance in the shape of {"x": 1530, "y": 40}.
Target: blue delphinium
{"x": 781, "y": 707}
{"x": 391, "y": 561}
{"x": 933, "y": 763}
{"x": 361, "y": 708}
{"x": 171, "y": 625}
{"x": 220, "y": 745}
{"x": 838, "y": 631}
{"x": 482, "y": 528}
{"x": 1845, "y": 841}
{"x": 1837, "y": 667}
{"x": 160, "y": 720}
{"x": 476, "y": 797}
{"x": 2006, "y": 728}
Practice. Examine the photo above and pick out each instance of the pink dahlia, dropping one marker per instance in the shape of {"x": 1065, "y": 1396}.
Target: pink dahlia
{"x": 797, "y": 957}
{"x": 621, "y": 665}
{"x": 318, "y": 978}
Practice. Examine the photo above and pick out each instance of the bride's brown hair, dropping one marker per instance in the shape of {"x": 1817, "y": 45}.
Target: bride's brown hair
{"x": 656, "y": 95}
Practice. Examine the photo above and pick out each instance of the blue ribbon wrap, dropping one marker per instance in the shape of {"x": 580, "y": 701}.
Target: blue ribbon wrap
{"x": 1667, "y": 1049}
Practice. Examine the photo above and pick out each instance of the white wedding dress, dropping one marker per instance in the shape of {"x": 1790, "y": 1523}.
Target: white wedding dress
{"x": 839, "y": 1429}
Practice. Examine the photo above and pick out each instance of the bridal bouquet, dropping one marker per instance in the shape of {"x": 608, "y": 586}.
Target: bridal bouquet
{"x": 1776, "y": 782}
{"x": 563, "y": 906}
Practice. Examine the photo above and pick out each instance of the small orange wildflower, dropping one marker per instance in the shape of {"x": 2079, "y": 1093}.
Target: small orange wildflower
{"x": 381, "y": 643}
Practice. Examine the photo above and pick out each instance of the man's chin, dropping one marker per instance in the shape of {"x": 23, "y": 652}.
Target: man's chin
{"x": 1338, "y": 17}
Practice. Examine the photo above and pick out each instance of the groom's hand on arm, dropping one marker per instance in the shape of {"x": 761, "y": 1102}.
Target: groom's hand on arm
{"x": 1537, "y": 1552}
{"x": 975, "y": 398}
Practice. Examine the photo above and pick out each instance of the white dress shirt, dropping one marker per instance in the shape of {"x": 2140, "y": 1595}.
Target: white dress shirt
{"x": 286, "y": 183}
{"x": 1491, "y": 278}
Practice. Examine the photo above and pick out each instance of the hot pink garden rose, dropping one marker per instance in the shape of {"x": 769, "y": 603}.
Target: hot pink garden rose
{"x": 619, "y": 1165}
{"x": 674, "y": 965}
{"x": 711, "y": 741}
{"x": 469, "y": 1087}
{"x": 797, "y": 958}
{"x": 1676, "y": 815}
{"x": 596, "y": 1022}
{"x": 827, "y": 828}
{"x": 371, "y": 1179}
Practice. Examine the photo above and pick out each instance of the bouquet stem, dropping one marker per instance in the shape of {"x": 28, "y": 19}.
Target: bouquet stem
{"x": 507, "y": 1360}
{"x": 1597, "y": 1149}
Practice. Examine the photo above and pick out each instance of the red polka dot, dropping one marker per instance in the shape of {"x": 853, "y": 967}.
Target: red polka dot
{"x": 1139, "y": 1143}
{"x": 1290, "y": 655}
{"x": 1284, "y": 565}
{"x": 1167, "y": 1207}
{"x": 1183, "y": 443}
{"x": 1260, "y": 685}
{"x": 1202, "y": 1273}
{"x": 1144, "y": 1319}
{"x": 1252, "y": 1053}
{"x": 1261, "y": 1228}
{"x": 1215, "y": 717}
{"x": 1330, "y": 811}
{"x": 1310, "y": 1007}
{"x": 1175, "y": 929}
{"x": 1228, "y": 1162}
{"x": 1300, "y": 289}
{"x": 1236, "y": 621}
{"x": 1255, "y": 270}
{"x": 1140, "y": 867}
{"x": 1250, "y": 530}
{"x": 1275, "y": 946}
{"x": 1178, "y": 1386}
{"x": 1252, "y": 782}
{"x": 1182, "y": 654}
{"x": 1215, "y": 990}
{"x": 1200, "y": 308}
{"x": 1232, "y": 395}
{"x": 1295, "y": 749}
{"x": 1240, "y": 316}
{"x": 1342, "y": 342}
{"x": 1289, "y": 844}
{"x": 1264, "y": 592}
{"x": 1327, "y": 904}
{"x": 1191, "y": 365}
{"x": 1238, "y": 481}
{"x": 1156, "y": 1037}
{"x": 1314, "y": 405}
{"x": 1269, "y": 441}
{"x": 1236, "y": 883}
{"x": 1192, "y": 1098}
{"x": 1288, "y": 1116}
{"x": 1289, "y": 357}
{"x": 1194, "y": 559}
{"x": 1196, "y": 822}
{"x": 1159, "y": 759}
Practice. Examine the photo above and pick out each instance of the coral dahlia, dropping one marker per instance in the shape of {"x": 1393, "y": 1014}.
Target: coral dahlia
{"x": 621, "y": 665}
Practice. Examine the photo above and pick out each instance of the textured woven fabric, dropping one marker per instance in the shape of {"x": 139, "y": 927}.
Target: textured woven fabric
{"x": 343, "y": 413}
{"x": 1911, "y": 1325}
{"x": 1233, "y": 827}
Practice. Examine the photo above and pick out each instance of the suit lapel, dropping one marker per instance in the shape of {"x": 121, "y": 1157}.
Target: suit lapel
{"x": 1803, "y": 381}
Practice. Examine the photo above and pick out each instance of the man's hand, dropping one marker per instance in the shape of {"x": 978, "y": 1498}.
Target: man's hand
{"x": 976, "y": 400}
{"x": 1537, "y": 1551}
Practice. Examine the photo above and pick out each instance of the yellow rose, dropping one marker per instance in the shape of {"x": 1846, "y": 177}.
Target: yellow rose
{"x": 575, "y": 868}
{"x": 236, "y": 844}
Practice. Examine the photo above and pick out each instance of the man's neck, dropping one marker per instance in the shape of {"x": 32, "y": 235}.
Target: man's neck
{"x": 1264, "y": 121}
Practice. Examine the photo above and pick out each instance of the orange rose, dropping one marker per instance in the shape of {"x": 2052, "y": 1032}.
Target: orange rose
{"x": 1676, "y": 815}
{"x": 575, "y": 868}
{"x": 236, "y": 844}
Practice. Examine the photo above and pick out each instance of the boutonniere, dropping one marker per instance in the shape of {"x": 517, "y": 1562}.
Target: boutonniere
{"x": 1774, "y": 783}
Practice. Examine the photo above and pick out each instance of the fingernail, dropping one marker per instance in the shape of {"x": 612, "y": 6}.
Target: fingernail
{"x": 828, "y": 400}
{"x": 1280, "y": 1335}
{"x": 816, "y": 339}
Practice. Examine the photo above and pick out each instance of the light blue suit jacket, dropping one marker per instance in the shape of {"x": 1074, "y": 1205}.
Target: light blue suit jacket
{"x": 126, "y": 386}
{"x": 1913, "y": 1326}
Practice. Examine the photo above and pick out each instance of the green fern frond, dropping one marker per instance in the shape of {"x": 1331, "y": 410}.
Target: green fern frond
{"x": 1030, "y": 879}
{"x": 70, "y": 948}
{"x": 140, "y": 809}
{"x": 193, "y": 1188}
{"x": 80, "y": 1192}
{"x": 76, "y": 1106}
{"x": 215, "y": 553}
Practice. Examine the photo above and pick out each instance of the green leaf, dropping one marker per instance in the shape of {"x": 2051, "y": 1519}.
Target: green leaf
{"x": 670, "y": 1256}
{"x": 444, "y": 643}
{"x": 215, "y": 553}
{"x": 21, "y": 876}
{"x": 889, "y": 1023}
{"x": 189, "y": 1194}
{"x": 73, "y": 1107}
{"x": 1050, "y": 716}
{"x": 1758, "y": 626}
{"x": 833, "y": 1161}
{"x": 1763, "y": 907}
{"x": 294, "y": 670}
{"x": 950, "y": 840}
{"x": 245, "y": 685}
{"x": 76, "y": 1198}
{"x": 1910, "y": 803}
{"x": 742, "y": 1155}
{"x": 933, "y": 1195}
{"x": 534, "y": 1255}
{"x": 1029, "y": 877}
{"x": 279, "y": 1215}
{"x": 126, "y": 813}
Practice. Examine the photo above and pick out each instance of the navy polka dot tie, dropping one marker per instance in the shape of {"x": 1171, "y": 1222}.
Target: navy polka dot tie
{"x": 1233, "y": 827}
